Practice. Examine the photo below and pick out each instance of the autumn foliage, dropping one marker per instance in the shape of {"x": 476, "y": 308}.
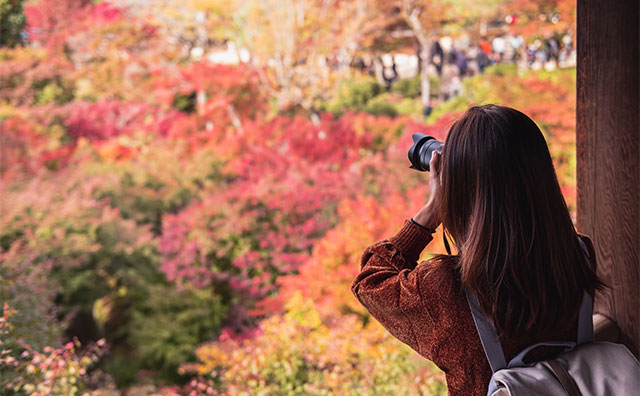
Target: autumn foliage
{"x": 172, "y": 228}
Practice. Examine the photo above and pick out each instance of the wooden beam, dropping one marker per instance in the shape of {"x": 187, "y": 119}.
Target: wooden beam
{"x": 608, "y": 162}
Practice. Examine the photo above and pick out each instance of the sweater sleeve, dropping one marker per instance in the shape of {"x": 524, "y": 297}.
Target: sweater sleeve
{"x": 389, "y": 282}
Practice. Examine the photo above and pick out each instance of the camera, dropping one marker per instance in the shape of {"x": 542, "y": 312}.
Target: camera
{"x": 420, "y": 151}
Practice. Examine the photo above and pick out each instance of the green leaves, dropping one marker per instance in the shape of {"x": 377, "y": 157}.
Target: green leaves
{"x": 168, "y": 324}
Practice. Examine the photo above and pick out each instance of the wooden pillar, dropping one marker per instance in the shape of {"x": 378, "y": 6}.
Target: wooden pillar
{"x": 608, "y": 163}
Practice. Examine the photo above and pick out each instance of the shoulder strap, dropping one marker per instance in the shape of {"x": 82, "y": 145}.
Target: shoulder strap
{"x": 491, "y": 341}
{"x": 562, "y": 375}
{"x": 488, "y": 335}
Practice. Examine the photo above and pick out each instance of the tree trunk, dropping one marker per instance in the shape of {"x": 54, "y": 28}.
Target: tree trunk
{"x": 412, "y": 17}
{"x": 425, "y": 87}
{"x": 608, "y": 169}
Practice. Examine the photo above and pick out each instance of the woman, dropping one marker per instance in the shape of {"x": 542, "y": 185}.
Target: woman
{"x": 496, "y": 194}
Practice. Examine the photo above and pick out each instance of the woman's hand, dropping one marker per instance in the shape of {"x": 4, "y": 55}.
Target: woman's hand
{"x": 429, "y": 215}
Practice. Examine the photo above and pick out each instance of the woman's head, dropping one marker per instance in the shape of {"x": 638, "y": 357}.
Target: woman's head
{"x": 502, "y": 205}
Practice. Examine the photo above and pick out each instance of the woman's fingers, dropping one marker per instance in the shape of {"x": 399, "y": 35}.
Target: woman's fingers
{"x": 434, "y": 163}
{"x": 434, "y": 175}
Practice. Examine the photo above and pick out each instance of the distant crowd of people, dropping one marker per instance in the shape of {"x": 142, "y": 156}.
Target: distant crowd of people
{"x": 453, "y": 60}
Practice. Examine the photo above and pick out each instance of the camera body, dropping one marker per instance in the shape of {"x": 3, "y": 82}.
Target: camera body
{"x": 421, "y": 150}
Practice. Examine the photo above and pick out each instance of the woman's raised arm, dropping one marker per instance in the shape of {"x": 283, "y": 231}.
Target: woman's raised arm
{"x": 391, "y": 282}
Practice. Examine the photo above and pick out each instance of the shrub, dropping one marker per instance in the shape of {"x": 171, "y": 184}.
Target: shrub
{"x": 167, "y": 325}
{"x": 412, "y": 87}
{"x": 502, "y": 69}
{"x": 408, "y": 87}
{"x": 52, "y": 371}
{"x": 380, "y": 107}
{"x": 102, "y": 272}
{"x": 411, "y": 107}
{"x": 298, "y": 354}
{"x": 353, "y": 94}
{"x": 54, "y": 92}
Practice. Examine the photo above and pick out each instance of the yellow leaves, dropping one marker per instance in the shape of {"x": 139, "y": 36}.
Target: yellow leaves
{"x": 55, "y": 134}
{"x": 218, "y": 7}
{"x": 7, "y": 110}
{"x": 301, "y": 312}
{"x": 210, "y": 356}
{"x": 84, "y": 89}
{"x": 329, "y": 357}
{"x": 101, "y": 310}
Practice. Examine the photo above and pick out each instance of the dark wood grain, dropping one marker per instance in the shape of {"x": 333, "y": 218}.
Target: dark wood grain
{"x": 608, "y": 162}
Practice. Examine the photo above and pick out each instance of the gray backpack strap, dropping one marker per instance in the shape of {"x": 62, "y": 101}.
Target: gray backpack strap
{"x": 518, "y": 360}
{"x": 487, "y": 333}
{"x": 491, "y": 341}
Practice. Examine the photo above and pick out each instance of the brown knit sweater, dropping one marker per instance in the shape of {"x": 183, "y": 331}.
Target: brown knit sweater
{"x": 424, "y": 306}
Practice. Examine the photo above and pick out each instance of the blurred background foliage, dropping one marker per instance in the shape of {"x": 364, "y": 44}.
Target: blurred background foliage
{"x": 186, "y": 187}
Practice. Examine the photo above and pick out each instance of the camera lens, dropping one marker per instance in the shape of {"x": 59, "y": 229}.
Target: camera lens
{"x": 421, "y": 150}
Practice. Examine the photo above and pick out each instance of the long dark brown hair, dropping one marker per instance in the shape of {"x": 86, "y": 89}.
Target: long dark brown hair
{"x": 503, "y": 208}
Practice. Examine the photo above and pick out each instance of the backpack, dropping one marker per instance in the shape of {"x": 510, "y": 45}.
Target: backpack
{"x": 583, "y": 368}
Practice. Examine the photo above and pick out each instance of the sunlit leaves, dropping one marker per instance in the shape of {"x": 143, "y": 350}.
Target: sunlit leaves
{"x": 169, "y": 201}
{"x": 298, "y": 353}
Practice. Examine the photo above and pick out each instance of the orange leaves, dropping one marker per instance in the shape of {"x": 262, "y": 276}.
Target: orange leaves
{"x": 112, "y": 150}
{"x": 542, "y": 18}
{"x": 326, "y": 276}
{"x": 215, "y": 87}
